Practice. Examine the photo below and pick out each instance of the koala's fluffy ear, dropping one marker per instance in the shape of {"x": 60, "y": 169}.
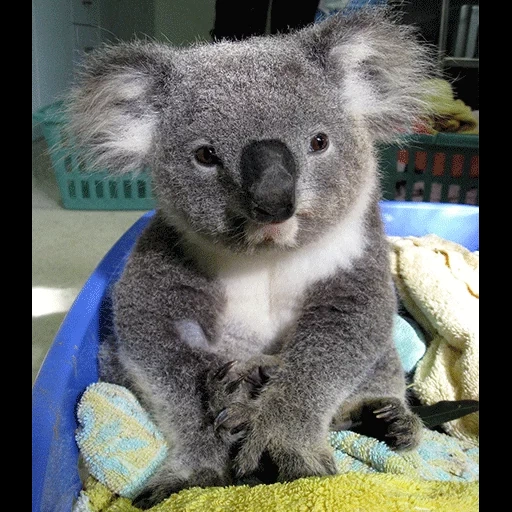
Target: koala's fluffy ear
{"x": 379, "y": 65}
{"x": 111, "y": 109}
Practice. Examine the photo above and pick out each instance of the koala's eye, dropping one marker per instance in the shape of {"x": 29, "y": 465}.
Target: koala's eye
{"x": 206, "y": 155}
{"x": 319, "y": 142}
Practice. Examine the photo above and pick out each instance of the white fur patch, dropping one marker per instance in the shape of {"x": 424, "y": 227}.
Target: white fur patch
{"x": 122, "y": 86}
{"x": 136, "y": 137}
{"x": 265, "y": 297}
{"x": 356, "y": 90}
{"x": 192, "y": 334}
{"x": 129, "y": 86}
{"x": 102, "y": 114}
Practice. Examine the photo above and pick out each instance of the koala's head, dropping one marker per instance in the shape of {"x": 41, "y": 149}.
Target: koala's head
{"x": 265, "y": 142}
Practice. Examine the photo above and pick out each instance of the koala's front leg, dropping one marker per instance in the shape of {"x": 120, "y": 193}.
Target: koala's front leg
{"x": 345, "y": 327}
{"x": 242, "y": 392}
{"x": 289, "y": 438}
{"x": 267, "y": 430}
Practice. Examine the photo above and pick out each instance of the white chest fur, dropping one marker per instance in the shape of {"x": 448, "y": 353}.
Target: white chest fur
{"x": 265, "y": 293}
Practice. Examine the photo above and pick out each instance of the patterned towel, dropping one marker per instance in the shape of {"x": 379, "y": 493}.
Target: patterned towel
{"x": 120, "y": 445}
{"x": 121, "y": 448}
{"x": 439, "y": 457}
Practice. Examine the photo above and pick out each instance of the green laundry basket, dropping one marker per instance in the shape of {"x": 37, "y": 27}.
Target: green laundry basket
{"x": 440, "y": 168}
{"x": 83, "y": 189}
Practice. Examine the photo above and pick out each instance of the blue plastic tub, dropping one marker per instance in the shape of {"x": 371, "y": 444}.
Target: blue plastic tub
{"x": 70, "y": 364}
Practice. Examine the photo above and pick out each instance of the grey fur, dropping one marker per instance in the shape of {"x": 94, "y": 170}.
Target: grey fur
{"x": 328, "y": 350}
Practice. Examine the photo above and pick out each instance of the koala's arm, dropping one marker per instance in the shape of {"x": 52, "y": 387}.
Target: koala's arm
{"x": 164, "y": 314}
{"x": 344, "y": 330}
{"x": 345, "y": 327}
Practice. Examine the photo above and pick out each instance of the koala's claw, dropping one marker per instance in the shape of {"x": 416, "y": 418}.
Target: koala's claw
{"x": 232, "y": 386}
{"x": 221, "y": 384}
{"x": 237, "y": 382}
{"x": 220, "y": 419}
{"x": 385, "y": 412}
{"x": 257, "y": 378}
{"x": 231, "y": 423}
{"x": 232, "y": 391}
{"x": 223, "y": 370}
{"x": 388, "y": 419}
{"x": 234, "y": 427}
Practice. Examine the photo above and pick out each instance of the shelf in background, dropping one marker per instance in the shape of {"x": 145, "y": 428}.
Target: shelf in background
{"x": 463, "y": 62}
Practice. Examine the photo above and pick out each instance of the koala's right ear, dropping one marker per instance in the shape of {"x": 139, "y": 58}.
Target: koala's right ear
{"x": 112, "y": 108}
{"x": 379, "y": 66}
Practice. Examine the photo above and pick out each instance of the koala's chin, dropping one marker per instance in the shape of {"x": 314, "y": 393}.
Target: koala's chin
{"x": 280, "y": 235}
{"x": 251, "y": 238}
{"x": 242, "y": 235}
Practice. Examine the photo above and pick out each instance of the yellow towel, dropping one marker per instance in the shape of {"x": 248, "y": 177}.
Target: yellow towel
{"x": 350, "y": 492}
{"x": 438, "y": 282}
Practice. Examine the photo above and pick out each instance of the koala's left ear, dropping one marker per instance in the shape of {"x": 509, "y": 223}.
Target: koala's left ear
{"x": 379, "y": 66}
{"x": 112, "y": 108}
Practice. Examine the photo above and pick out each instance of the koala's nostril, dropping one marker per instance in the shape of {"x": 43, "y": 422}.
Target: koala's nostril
{"x": 272, "y": 215}
{"x": 261, "y": 212}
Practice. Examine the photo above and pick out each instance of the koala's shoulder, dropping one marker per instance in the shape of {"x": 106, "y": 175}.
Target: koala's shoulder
{"x": 159, "y": 239}
{"x": 159, "y": 256}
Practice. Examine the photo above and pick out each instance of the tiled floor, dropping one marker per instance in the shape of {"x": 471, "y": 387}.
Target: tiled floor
{"x": 66, "y": 247}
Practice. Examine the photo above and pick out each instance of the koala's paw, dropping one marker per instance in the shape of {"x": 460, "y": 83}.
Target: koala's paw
{"x": 276, "y": 443}
{"x": 388, "y": 420}
{"x": 221, "y": 384}
{"x": 159, "y": 492}
{"x": 236, "y": 385}
{"x": 151, "y": 497}
{"x": 264, "y": 455}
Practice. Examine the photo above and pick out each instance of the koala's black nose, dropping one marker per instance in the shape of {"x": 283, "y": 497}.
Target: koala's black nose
{"x": 268, "y": 179}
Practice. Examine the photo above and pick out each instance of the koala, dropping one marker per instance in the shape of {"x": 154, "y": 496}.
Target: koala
{"x": 255, "y": 312}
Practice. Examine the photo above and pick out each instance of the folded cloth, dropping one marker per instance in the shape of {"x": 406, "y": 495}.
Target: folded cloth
{"x": 374, "y": 477}
{"x": 447, "y": 114}
{"x": 438, "y": 283}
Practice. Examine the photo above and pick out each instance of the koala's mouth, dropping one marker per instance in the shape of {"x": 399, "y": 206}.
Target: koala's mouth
{"x": 282, "y": 234}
